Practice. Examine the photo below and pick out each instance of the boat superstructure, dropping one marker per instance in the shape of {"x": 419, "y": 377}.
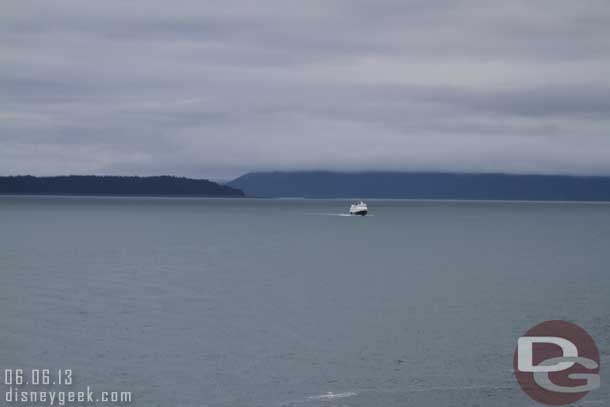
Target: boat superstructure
{"x": 359, "y": 208}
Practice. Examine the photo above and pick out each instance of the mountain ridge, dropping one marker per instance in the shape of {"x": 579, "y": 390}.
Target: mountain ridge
{"x": 423, "y": 185}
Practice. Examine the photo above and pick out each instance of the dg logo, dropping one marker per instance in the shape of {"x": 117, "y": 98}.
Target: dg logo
{"x": 557, "y": 363}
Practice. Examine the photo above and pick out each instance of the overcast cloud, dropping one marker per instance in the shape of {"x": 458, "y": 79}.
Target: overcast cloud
{"x": 218, "y": 88}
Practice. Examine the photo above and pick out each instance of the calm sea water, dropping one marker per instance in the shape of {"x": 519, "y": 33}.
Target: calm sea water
{"x": 201, "y": 302}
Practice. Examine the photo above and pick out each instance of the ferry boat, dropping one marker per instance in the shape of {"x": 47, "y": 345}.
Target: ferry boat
{"x": 359, "y": 208}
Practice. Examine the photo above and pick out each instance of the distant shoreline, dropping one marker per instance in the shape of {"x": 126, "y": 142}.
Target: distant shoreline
{"x": 94, "y": 185}
{"x": 291, "y": 186}
{"x": 65, "y": 195}
{"x": 425, "y": 186}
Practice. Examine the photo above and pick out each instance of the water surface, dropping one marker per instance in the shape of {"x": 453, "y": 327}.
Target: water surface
{"x": 239, "y": 302}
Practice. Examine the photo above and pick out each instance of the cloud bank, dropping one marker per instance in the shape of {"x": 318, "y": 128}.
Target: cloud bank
{"x": 218, "y": 88}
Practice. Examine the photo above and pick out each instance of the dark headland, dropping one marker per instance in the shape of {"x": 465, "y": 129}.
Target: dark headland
{"x": 115, "y": 185}
{"x": 424, "y": 185}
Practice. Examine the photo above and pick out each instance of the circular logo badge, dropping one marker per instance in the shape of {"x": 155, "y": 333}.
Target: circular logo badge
{"x": 556, "y": 363}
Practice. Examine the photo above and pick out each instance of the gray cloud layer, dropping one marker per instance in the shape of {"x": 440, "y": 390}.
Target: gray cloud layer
{"x": 218, "y": 88}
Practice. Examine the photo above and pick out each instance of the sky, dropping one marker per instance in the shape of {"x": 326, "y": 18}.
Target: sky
{"x": 214, "y": 89}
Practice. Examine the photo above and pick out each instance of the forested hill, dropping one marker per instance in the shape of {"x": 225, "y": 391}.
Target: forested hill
{"x": 424, "y": 185}
{"x": 115, "y": 185}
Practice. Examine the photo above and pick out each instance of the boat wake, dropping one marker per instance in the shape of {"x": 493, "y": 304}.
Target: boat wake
{"x": 327, "y": 214}
{"x": 334, "y": 214}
